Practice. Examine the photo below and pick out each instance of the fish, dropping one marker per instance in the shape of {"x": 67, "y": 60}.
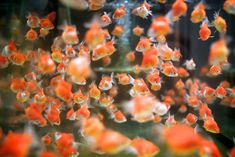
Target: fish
{"x": 118, "y": 31}
{"x": 106, "y": 82}
{"x": 160, "y": 26}
{"x": 205, "y": 32}
{"x": 229, "y": 6}
{"x": 220, "y": 23}
{"x": 190, "y": 64}
{"x": 143, "y": 10}
{"x": 199, "y": 13}
{"x": 178, "y": 9}
{"x": 31, "y": 35}
{"x": 137, "y": 30}
{"x": 119, "y": 13}
{"x": 69, "y": 35}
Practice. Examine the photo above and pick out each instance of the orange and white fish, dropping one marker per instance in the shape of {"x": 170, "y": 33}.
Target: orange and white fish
{"x": 18, "y": 58}
{"x": 229, "y": 6}
{"x": 143, "y": 10}
{"x": 154, "y": 78}
{"x": 204, "y": 32}
{"x": 191, "y": 118}
{"x": 119, "y": 13}
{"x": 118, "y": 31}
{"x": 103, "y": 50}
{"x": 199, "y": 13}
{"x": 208, "y": 148}
{"x": 137, "y": 30}
{"x": 69, "y": 35}
{"x": 106, "y": 82}
{"x": 105, "y": 100}
{"x": 63, "y": 91}
{"x": 220, "y": 23}
{"x": 33, "y": 21}
{"x": 143, "y": 45}
{"x": 139, "y": 88}
{"x": 130, "y": 56}
{"x": 118, "y": 116}
{"x": 94, "y": 92}
{"x": 220, "y": 92}
{"x": 215, "y": 70}
{"x": 178, "y": 9}
{"x": 105, "y": 19}
{"x": 144, "y": 148}
{"x": 190, "y": 64}
{"x": 31, "y": 35}
{"x": 169, "y": 69}
{"x": 4, "y": 62}
{"x": 53, "y": 114}
{"x": 124, "y": 79}
{"x": 45, "y": 64}
{"x": 211, "y": 125}
{"x": 160, "y": 27}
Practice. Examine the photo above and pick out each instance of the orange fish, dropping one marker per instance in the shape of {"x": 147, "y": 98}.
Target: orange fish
{"x": 18, "y": 85}
{"x": 191, "y": 118}
{"x": 96, "y": 4}
{"x": 22, "y": 96}
{"x": 46, "y": 139}
{"x": 118, "y": 116}
{"x": 181, "y": 139}
{"x": 198, "y": 14}
{"x": 179, "y": 8}
{"x": 63, "y": 91}
{"x": 138, "y": 31}
{"x": 53, "y": 114}
{"x": 83, "y": 112}
{"x": 106, "y": 82}
{"x": 182, "y": 72}
{"x": 160, "y": 27}
{"x": 208, "y": 148}
{"x": 105, "y": 19}
{"x": 229, "y": 6}
{"x": 144, "y": 148}
{"x": 69, "y": 35}
{"x": 220, "y": 92}
{"x": 169, "y": 70}
{"x": 103, "y": 50}
{"x": 124, "y": 79}
{"x": 215, "y": 70}
{"x": 31, "y": 35}
{"x": 211, "y": 125}
{"x": 143, "y": 45}
{"x": 16, "y": 145}
{"x": 45, "y": 64}
{"x": 220, "y": 24}
{"x": 105, "y": 100}
{"x": 92, "y": 127}
{"x": 34, "y": 114}
{"x": 118, "y": 30}
{"x": 139, "y": 87}
{"x": 65, "y": 144}
{"x": 119, "y": 13}
{"x": 204, "y": 32}
{"x": 150, "y": 59}
{"x": 143, "y": 10}
{"x": 208, "y": 92}
{"x": 79, "y": 70}
{"x": 154, "y": 78}
{"x": 193, "y": 101}
{"x": 79, "y": 97}
{"x": 94, "y": 92}
{"x": 111, "y": 142}
{"x": 33, "y": 21}
{"x": 46, "y": 24}
{"x": 17, "y": 58}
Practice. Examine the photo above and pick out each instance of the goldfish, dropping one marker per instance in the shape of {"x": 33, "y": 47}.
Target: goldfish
{"x": 141, "y": 108}
{"x": 23, "y": 96}
{"x": 119, "y": 117}
{"x": 105, "y": 19}
{"x": 179, "y": 8}
{"x": 34, "y": 114}
{"x": 118, "y": 31}
{"x": 4, "y": 62}
{"x": 229, "y": 6}
{"x": 112, "y": 142}
{"x": 162, "y": 1}
{"x": 17, "y": 85}
{"x": 16, "y": 144}
{"x": 92, "y": 127}
{"x": 166, "y": 53}
{"x": 191, "y": 118}
{"x": 143, "y": 45}
{"x": 193, "y": 101}
{"x": 69, "y": 35}
{"x": 169, "y": 70}
{"x": 154, "y": 78}
{"x": 96, "y": 4}
{"x": 106, "y": 82}
{"x": 105, "y": 100}
{"x": 53, "y": 114}
{"x": 83, "y": 112}
{"x": 144, "y": 148}
{"x": 33, "y": 21}
{"x": 79, "y": 97}
{"x": 204, "y": 111}
{"x": 137, "y": 30}
{"x": 31, "y": 35}
{"x": 161, "y": 108}
{"x": 139, "y": 88}
{"x": 198, "y": 14}
{"x": 181, "y": 139}
{"x": 65, "y": 144}
{"x": 79, "y": 70}
{"x": 130, "y": 56}
{"x": 9, "y": 48}
{"x": 46, "y": 139}
{"x": 45, "y": 64}
{"x": 215, "y": 70}
{"x": 63, "y": 91}
{"x": 220, "y": 92}
{"x": 160, "y": 27}
{"x": 143, "y": 10}
{"x": 220, "y": 24}
{"x": 150, "y": 59}
{"x": 18, "y": 58}
{"x": 207, "y": 147}
{"x": 94, "y": 92}
{"x": 124, "y": 79}
{"x": 182, "y": 72}
{"x": 211, "y": 125}
{"x": 208, "y": 92}
{"x": 218, "y": 52}
{"x": 119, "y": 13}
{"x": 180, "y": 84}
{"x": 46, "y": 23}
{"x": 190, "y": 64}
{"x": 103, "y": 50}
{"x": 204, "y": 32}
